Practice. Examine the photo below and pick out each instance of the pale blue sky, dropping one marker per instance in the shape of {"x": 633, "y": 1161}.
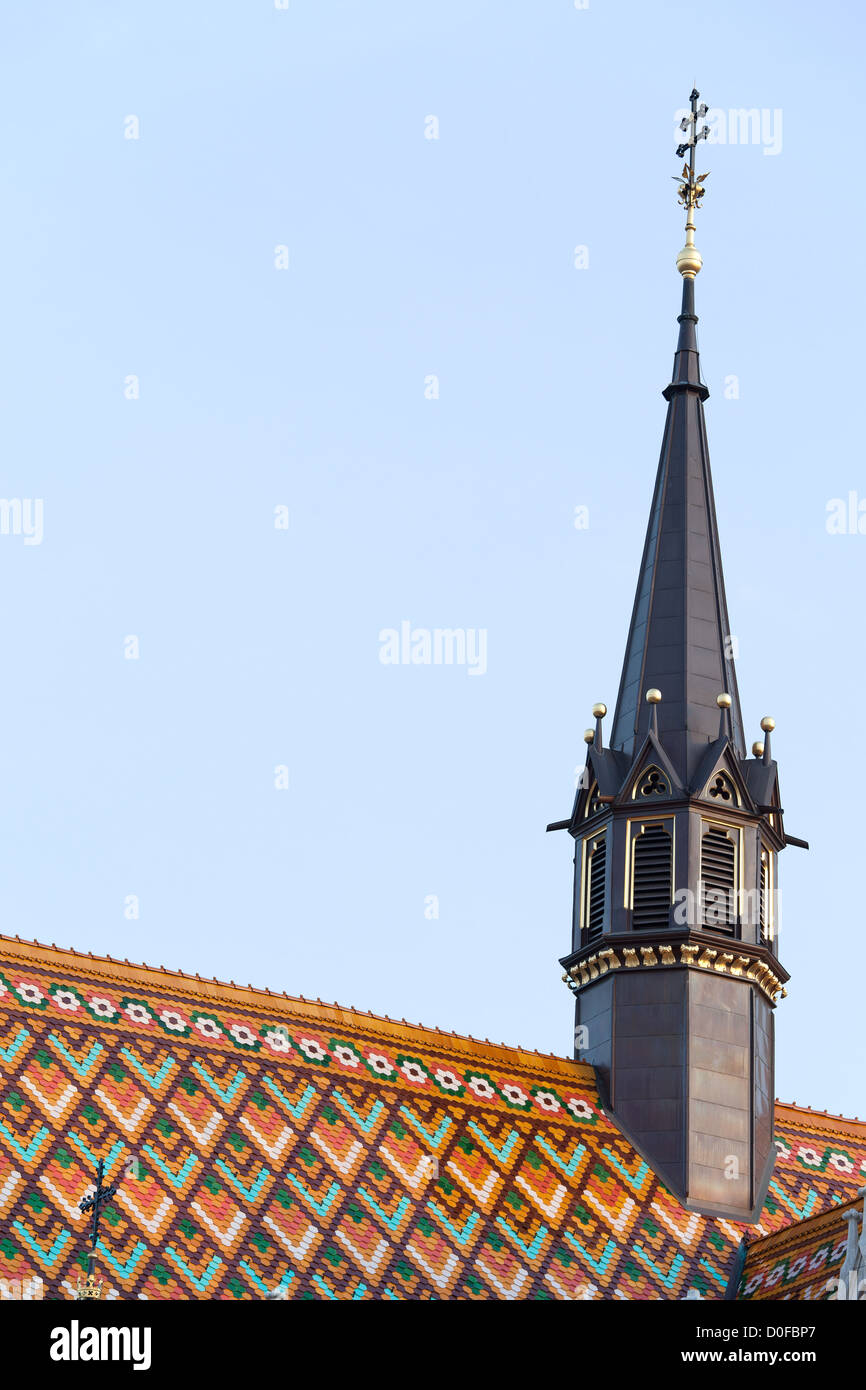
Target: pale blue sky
{"x": 305, "y": 387}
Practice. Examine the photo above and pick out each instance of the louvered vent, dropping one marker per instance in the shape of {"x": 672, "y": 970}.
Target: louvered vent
{"x": 718, "y": 876}
{"x": 651, "y": 902}
{"x": 595, "y": 894}
{"x": 764, "y": 898}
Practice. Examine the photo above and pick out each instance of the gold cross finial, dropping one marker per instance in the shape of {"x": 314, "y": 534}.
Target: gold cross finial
{"x": 691, "y": 185}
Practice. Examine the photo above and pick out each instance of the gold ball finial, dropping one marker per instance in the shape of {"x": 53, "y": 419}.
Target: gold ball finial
{"x": 689, "y": 262}
{"x": 724, "y": 700}
{"x": 653, "y": 696}
{"x": 599, "y": 710}
{"x": 757, "y": 749}
{"x": 588, "y": 735}
{"x": 768, "y": 724}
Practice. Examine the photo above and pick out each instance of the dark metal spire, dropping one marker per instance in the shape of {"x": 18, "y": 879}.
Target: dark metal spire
{"x": 679, "y": 639}
{"x": 675, "y": 932}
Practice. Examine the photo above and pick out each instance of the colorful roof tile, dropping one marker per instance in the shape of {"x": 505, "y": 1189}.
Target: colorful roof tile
{"x": 297, "y": 1146}
{"x": 803, "y": 1261}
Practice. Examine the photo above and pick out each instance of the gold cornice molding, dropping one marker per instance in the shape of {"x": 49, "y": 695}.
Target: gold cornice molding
{"x": 741, "y": 963}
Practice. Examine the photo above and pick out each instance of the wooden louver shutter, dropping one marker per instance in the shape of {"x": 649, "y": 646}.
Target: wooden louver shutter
{"x": 718, "y": 875}
{"x": 651, "y": 902}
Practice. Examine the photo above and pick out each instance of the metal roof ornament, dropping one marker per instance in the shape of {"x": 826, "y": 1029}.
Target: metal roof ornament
{"x": 691, "y": 185}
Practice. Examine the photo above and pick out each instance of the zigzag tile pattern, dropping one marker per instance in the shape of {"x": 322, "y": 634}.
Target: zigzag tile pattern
{"x": 288, "y": 1146}
{"x": 803, "y": 1261}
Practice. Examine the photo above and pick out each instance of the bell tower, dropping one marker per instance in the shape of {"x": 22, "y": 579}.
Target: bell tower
{"x": 674, "y": 955}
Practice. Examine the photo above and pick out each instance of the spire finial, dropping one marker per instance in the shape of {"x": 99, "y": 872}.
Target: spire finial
{"x": 599, "y": 710}
{"x": 768, "y": 724}
{"x": 724, "y": 703}
{"x": 691, "y": 189}
{"x": 654, "y": 699}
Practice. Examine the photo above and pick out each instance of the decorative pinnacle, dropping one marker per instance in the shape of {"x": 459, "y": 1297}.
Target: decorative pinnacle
{"x": 691, "y": 189}
{"x": 599, "y": 710}
{"x": 768, "y": 724}
{"x": 653, "y": 699}
{"x": 724, "y": 702}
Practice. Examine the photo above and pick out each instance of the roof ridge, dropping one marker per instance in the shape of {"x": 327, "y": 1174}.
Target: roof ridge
{"x": 359, "y": 1014}
{"x": 833, "y": 1120}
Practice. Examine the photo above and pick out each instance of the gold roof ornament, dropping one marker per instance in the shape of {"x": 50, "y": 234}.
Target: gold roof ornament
{"x": 768, "y": 724}
{"x": 91, "y": 1287}
{"x": 599, "y": 710}
{"x": 654, "y": 699}
{"x": 691, "y": 185}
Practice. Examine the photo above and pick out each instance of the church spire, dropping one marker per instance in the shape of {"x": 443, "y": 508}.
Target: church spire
{"x": 679, "y": 640}
{"x": 674, "y": 960}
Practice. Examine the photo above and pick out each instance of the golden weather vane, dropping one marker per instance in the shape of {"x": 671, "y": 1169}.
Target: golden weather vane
{"x": 691, "y": 185}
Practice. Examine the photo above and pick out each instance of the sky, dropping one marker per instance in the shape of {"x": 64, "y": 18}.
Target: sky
{"x": 298, "y": 344}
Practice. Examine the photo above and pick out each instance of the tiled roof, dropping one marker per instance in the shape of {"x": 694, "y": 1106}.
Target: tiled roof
{"x": 286, "y": 1143}
{"x": 802, "y": 1261}
{"x": 111, "y": 967}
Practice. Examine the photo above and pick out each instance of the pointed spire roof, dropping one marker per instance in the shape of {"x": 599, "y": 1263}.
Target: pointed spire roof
{"x": 678, "y": 640}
